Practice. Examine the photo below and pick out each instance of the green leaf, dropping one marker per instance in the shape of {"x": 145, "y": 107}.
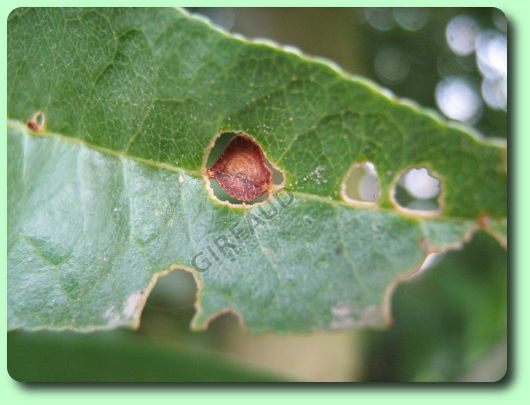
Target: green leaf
{"x": 111, "y": 194}
{"x": 118, "y": 357}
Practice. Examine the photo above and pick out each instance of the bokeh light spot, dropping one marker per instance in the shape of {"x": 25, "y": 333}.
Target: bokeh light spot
{"x": 458, "y": 99}
{"x": 461, "y": 33}
{"x": 492, "y": 54}
{"x": 391, "y": 65}
{"x": 411, "y": 18}
{"x": 380, "y": 18}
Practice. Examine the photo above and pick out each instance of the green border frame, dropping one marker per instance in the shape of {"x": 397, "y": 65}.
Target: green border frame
{"x": 511, "y": 388}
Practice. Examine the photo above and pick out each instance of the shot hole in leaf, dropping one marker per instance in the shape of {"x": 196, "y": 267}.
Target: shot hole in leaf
{"x": 418, "y": 191}
{"x": 238, "y": 171}
{"x": 174, "y": 295}
{"x": 361, "y": 184}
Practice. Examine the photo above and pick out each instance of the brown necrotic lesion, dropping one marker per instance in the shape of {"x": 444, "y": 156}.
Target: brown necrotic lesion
{"x": 37, "y": 122}
{"x": 242, "y": 169}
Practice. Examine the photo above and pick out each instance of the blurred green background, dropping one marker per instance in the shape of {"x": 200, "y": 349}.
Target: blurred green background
{"x": 450, "y": 321}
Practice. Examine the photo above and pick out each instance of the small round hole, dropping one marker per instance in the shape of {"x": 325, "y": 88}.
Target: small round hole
{"x": 418, "y": 191}
{"x": 361, "y": 184}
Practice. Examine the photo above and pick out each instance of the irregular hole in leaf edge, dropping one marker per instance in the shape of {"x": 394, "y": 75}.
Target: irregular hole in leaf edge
{"x": 203, "y": 325}
{"x": 195, "y": 324}
{"x": 385, "y": 307}
{"x": 420, "y": 269}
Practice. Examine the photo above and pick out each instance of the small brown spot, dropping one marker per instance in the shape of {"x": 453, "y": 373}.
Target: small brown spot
{"x": 242, "y": 170}
{"x": 37, "y": 122}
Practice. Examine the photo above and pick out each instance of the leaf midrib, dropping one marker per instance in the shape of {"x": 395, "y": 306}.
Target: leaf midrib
{"x": 16, "y": 124}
